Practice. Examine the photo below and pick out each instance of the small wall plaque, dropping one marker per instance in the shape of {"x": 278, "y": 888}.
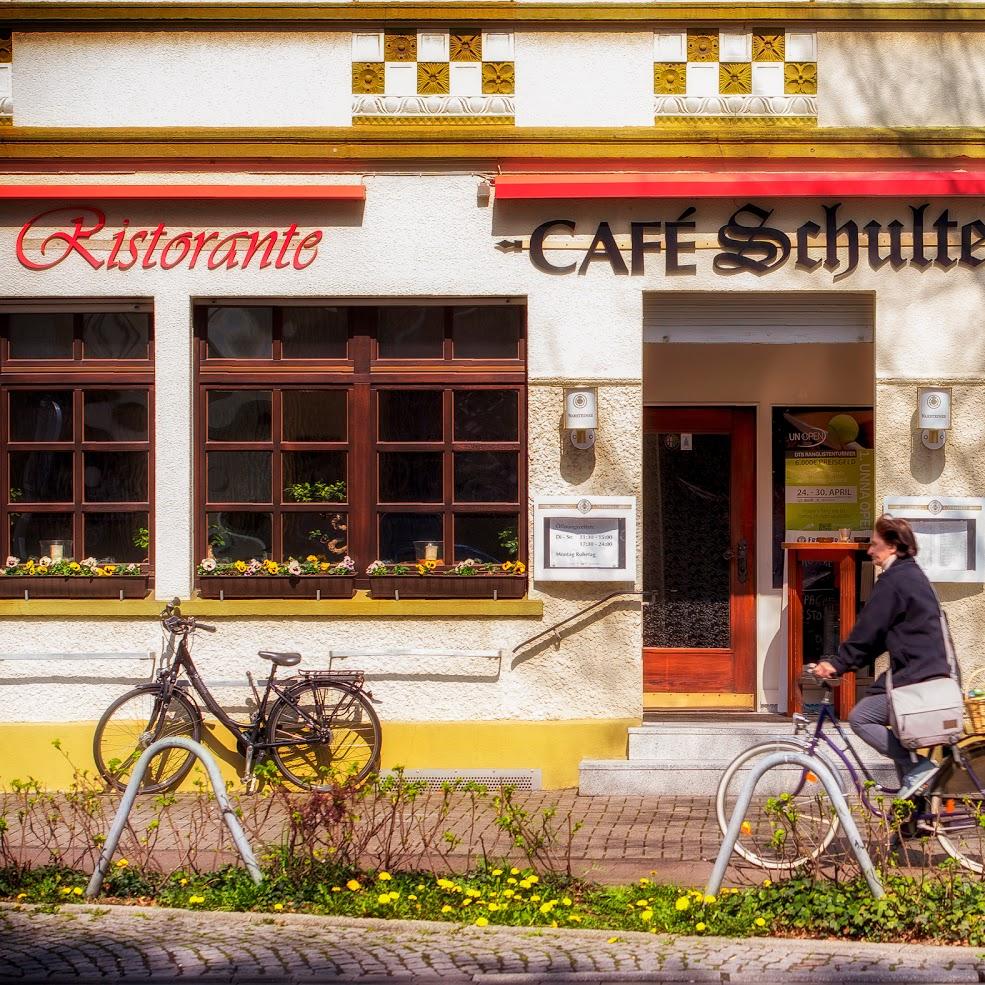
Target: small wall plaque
{"x": 585, "y": 538}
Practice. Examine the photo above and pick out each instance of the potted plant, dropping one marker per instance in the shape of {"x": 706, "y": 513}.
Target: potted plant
{"x": 67, "y": 578}
{"x": 469, "y": 579}
{"x": 312, "y": 578}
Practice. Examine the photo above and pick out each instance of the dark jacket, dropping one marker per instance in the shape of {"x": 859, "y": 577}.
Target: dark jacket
{"x": 903, "y": 617}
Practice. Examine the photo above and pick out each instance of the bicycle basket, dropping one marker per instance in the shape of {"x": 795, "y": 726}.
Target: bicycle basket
{"x": 974, "y": 706}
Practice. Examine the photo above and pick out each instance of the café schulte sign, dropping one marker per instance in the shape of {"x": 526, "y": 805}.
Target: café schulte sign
{"x": 750, "y": 241}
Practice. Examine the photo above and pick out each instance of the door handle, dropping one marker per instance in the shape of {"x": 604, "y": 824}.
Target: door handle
{"x": 742, "y": 561}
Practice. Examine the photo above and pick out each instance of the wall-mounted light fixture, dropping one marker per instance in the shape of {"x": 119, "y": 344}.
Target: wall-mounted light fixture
{"x": 933, "y": 415}
{"x": 581, "y": 415}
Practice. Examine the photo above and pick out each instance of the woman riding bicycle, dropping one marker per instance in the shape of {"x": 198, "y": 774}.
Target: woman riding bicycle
{"x": 903, "y": 617}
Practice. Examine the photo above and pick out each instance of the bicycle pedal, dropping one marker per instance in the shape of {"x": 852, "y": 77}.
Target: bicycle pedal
{"x": 251, "y": 782}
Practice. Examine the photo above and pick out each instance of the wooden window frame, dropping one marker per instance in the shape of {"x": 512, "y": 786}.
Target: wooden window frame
{"x": 79, "y": 376}
{"x": 363, "y": 374}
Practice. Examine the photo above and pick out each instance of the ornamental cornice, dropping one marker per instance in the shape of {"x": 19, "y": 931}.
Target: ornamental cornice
{"x": 486, "y": 144}
{"x": 80, "y": 16}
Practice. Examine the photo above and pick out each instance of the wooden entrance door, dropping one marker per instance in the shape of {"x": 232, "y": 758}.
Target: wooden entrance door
{"x": 699, "y": 564}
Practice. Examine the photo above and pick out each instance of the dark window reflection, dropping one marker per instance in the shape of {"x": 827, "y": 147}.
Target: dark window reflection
{"x": 486, "y": 537}
{"x": 41, "y": 477}
{"x": 40, "y": 336}
{"x": 115, "y": 335}
{"x": 115, "y": 476}
{"x": 238, "y": 476}
{"x": 240, "y": 333}
{"x": 314, "y": 415}
{"x": 485, "y": 477}
{"x": 324, "y": 535}
{"x": 410, "y": 415}
{"x": 410, "y": 477}
{"x": 315, "y": 333}
{"x": 398, "y": 531}
{"x": 29, "y": 530}
{"x": 314, "y": 476}
{"x": 486, "y": 331}
{"x": 411, "y": 332}
{"x": 115, "y": 415}
{"x": 486, "y": 415}
{"x": 115, "y": 537}
{"x": 40, "y": 415}
{"x": 239, "y": 415}
{"x": 239, "y": 536}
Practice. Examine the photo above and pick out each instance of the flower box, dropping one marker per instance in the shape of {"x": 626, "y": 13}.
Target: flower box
{"x": 439, "y": 586}
{"x": 275, "y": 586}
{"x": 74, "y": 586}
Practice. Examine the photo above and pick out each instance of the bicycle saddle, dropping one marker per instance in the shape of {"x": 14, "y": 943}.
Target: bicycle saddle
{"x": 281, "y": 659}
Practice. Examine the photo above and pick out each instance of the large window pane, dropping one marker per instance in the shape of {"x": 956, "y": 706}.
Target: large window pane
{"x": 239, "y": 536}
{"x": 240, "y": 333}
{"x": 239, "y": 415}
{"x": 315, "y": 333}
{"x": 44, "y": 336}
{"x": 115, "y": 335}
{"x": 398, "y": 531}
{"x": 486, "y": 536}
{"x": 486, "y": 331}
{"x": 115, "y": 476}
{"x": 314, "y": 477}
{"x": 116, "y": 537}
{"x": 41, "y": 415}
{"x": 325, "y": 535}
{"x": 411, "y": 332}
{"x": 410, "y": 415}
{"x": 486, "y": 415}
{"x": 314, "y": 415}
{"x": 410, "y": 477}
{"x": 239, "y": 477}
{"x": 485, "y": 477}
{"x": 41, "y": 477}
{"x": 115, "y": 415}
{"x": 28, "y": 530}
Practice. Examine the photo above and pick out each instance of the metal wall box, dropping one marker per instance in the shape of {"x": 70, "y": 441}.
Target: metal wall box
{"x": 588, "y": 538}
{"x": 950, "y": 534}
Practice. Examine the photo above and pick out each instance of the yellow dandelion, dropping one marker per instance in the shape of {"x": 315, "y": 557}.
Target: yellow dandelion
{"x": 646, "y": 916}
{"x": 497, "y": 872}
{"x": 710, "y": 899}
{"x": 412, "y": 897}
{"x": 682, "y": 903}
{"x": 77, "y": 891}
{"x": 533, "y": 879}
{"x": 336, "y": 889}
{"x": 122, "y": 863}
{"x": 746, "y": 828}
{"x": 612, "y": 940}
{"x": 182, "y": 882}
{"x": 493, "y": 907}
{"x": 759, "y": 922}
{"x": 574, "y": 918}
{"x": 699, "y": 927}
{"x": 446, "y": 884}
{"x": 767, "y": 882}
{"x": 384, "y": 877}
{"x": 383, "y": 898}
{"x": 644, "y": 881}
{"x": 66, "y": 890}
{"x": 446, "y": 909}
{"x": 482, "y": 922}
{"x": 353, "y": 885}
{"x": 278, "y": 906}
{"x": 193, "y": 900}
{"x": 514, "y": 872}
{"x": 566, "y": 901}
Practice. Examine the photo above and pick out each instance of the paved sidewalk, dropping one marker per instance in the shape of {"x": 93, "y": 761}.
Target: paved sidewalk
{"x": 82, "y": 944}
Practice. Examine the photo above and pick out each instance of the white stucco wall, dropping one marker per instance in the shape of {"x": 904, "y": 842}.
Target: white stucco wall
{"x": 253, "y": 79}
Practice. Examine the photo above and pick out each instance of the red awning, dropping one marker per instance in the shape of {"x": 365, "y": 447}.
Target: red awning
{"x": 744, "y": 184}
{"x": 187, "y": 193}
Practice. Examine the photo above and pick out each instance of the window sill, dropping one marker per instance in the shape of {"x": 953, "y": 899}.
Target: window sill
{"x": 361, "y": 605}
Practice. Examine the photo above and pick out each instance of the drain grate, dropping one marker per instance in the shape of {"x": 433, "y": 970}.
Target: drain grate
{"x": 525, "y": 780}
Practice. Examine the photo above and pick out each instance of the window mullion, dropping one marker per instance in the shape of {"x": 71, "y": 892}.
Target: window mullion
{"x": 276, "y": 492}
{"x": 448, "y": 461}
{"x": 78, "y": 464}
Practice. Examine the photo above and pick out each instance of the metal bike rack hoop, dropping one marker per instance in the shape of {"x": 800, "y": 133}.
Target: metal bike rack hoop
{"x": 833, "y": 790}
{"x": 130, "y": 795}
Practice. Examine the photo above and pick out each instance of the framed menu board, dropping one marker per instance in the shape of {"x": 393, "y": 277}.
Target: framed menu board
{"x": 587, "y": 538}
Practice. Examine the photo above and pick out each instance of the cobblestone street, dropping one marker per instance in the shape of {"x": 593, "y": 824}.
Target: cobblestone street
{"x": 136, "y": 944}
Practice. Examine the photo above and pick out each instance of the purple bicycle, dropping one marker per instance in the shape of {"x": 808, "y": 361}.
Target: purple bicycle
{"x": 792, "y": 821}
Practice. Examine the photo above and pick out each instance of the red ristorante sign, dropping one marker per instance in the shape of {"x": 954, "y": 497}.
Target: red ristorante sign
{"x": 132, "y": 247}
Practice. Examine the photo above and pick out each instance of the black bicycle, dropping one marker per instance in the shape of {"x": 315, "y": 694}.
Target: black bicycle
{"x": 318, "y": 727}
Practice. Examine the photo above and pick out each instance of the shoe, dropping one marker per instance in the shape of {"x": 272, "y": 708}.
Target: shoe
{"x": 917, "y": 778}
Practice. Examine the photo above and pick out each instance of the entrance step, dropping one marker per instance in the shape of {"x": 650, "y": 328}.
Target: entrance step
{"x": 685, "y": 756}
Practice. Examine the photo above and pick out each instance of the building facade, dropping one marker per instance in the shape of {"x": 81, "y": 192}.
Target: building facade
{"x": 317, "y": 282}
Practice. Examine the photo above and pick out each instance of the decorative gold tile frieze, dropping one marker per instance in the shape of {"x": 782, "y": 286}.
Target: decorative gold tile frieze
{"x": 465, "y": 46}
{"x": 498, "y": 78}
{"x": 735, "y": 78}
{"x": 368, "y": 78}
{"x": 768, "y": 47}
{"x": 670, "y": 78}
{"x": 702, "y": 46}
{"x": 433, "y": 121}
{"x": 800, "y": 78}
{"x": 400, "y": 47}
{"x": 433, "y": 78}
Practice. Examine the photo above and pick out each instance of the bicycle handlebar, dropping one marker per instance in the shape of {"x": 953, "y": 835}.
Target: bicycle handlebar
{"x": 823, "y": 681}
{"x": 175, "y": 622}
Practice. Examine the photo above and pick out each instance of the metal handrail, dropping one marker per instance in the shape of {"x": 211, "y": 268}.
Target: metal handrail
{"x": 562, "y": 622}
{"x": 130, "y": 794}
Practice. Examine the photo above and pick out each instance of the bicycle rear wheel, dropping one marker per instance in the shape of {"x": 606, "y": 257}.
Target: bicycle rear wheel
{"x": 958, "y": 802}
{"x": 132, "y": 723}
{"x": 790, "y": 820}
{"x": 324, "y": 733}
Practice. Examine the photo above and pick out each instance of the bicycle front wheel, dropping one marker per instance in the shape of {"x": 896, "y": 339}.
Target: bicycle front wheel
{"x": 790, "y": 820}
{"x": 135, "y": 721}
{"x": 958, "y": 802}
{"x": 324, "y": 733}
